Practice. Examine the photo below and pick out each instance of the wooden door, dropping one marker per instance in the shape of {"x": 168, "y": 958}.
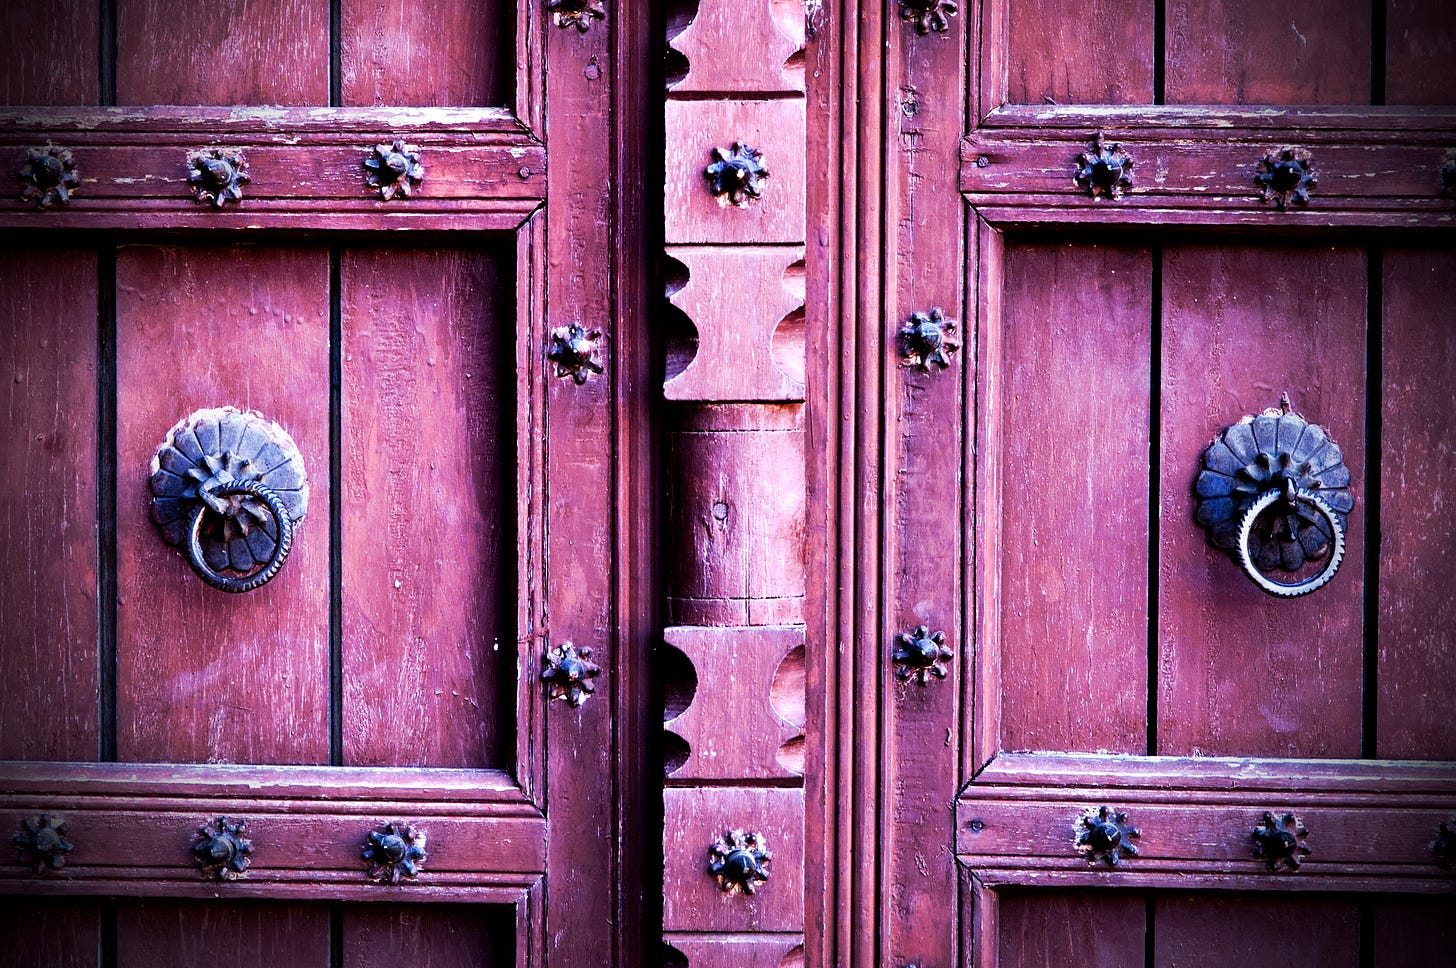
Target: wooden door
{"x": 1033, "y": 501}
{"x": 468, "y": 508}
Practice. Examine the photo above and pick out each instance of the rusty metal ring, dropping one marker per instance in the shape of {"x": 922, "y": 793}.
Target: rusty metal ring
{"x": 281, "y": 547}
{"x": 1307, "y": 585}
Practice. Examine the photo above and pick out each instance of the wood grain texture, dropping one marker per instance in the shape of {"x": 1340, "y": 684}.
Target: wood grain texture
{"x": 736, "y": 727}
{"x": 205, "y": 676}
{"x": 1074, "y": 520}
{"x": 1420, "y": 46}
{"x": 49, "y": 933}
{"x": 48, "y": 513}
{"x": 1416, "y": 671}
{"x": 733, "y": 46}
{"x": 1239, "y": 672}
{"x": 429, "y": 549}
{"x": 1414, "y": 932}
{"x": 694, "y": 129}
{"x": 48, "y": 53}
{"x": 736, "y": 501}
{"x": 257, "y": 934}
{"x": 736, "y": 297}
{"x": 433, "y": 53}
{"x": 735, "y": 951}
{"x": 439, "y": 936}
{"x": 236, "y": 52}
{"x": 692, "y": 819}
{"x": 1113, "y": 45}
{"x": 1247, "y": 52}
{"x": 1060, "y": 929}
{"x": 1242, "y": 932}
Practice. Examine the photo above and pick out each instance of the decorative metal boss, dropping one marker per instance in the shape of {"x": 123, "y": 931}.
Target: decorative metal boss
{"x": 1274, "y": 491}
{"x": 217, "y": 175}
{"x": 48, "y": 177}
{"x": 229, "y": 488}
{"x": 739, "y": 860}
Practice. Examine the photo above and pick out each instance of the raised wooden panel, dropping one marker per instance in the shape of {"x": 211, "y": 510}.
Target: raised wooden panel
{"x": 48, "y": 53}
{"x": 435, "y": 53}
{"x": 49, "y": 933}
{"x": 1113, "y": 44}
{"x": 692, "y": 820}
{"x": 1416, "y": 660}
{"x": 1060, "y": 929}
{"x": 1245, "y": 932}
{"x": 1076, "y": 345}
{"x": 248, "y": 52}
{"x": 1420, "y": 47}
{"x": 694, "y": 129}
{"x": 429, "y": 553}
{"x": 733, "y": 951}
{"x": 1247, "y": 52}
{"x": 255, "y": 934}
{"x": 203, "y": 676}
{"x": 48, "y": 524}
{"x": 1241, "y": 673}
{"x": 440, "y": 936}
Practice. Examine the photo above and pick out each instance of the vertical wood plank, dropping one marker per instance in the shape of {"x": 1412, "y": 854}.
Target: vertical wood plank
{"x": 1416, "y": 659}
{"x": 1255, "y": 932}
{"x": 1065, "y": 929}
{"x": 582, "y": 492}
{"x": 435, "y": 53}
{"x": 253, "y": 934}
{"x": 48, "y": 615}
{"x": 1249, "y": 52}
{"x": 49, "y": 932}
{"x": 1113, "y": 59}
{"x": 1414, "y": 932}
{"x": 434, "y": 936}
{"x": 1076, "y": 358}
{"x": 204, "y": 676}
{"x": 1420, "y": 47}
{"x": 48, "y": 53}
{"x": 429, "y": 558}
{"x": 231, "y": 52}
{"x": 1241, "y": 673}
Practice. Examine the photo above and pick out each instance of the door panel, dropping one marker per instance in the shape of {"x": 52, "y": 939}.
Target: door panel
{"x": 390, "y": 672}
{"x": 1239, "y": 327}
{"x": 244, "y": 679}
{"x": 428, "y": 549}
{"x": 1107, "y": 657}
{"x": 48, "y": 435}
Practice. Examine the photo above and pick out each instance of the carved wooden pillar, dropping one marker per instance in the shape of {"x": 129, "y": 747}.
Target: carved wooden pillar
{"x": 734, "y": 654}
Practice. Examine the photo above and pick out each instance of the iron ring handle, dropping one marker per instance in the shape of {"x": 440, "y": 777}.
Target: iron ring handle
{"x": 1304, "y": 586}
{"x": 281, "y": 546}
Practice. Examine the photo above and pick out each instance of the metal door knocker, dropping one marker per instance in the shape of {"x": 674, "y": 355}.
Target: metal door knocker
{"x": 1275, "y": 492}
{"x": 229, "y": 489}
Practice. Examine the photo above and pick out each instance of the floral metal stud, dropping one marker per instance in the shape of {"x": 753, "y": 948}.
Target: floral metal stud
{"x": 1105, "y": 171}
{"x": 1444, "y": 846}
{"x": 217, "y": 175}
{"x": 222, "y": 848}
{"x": 1105, "y": 835}
{"x": 920, "y": 654}
{"x": 42, "y": 843}
{"x": 1286, "y": 175}
{"x": 49, "y": 175}
{"x": 573, "y": 352}
{"x": 394, "y": 851}
{"x": 739, "y": 861}
{"x": 1279, "y": 841}
{"x": 394, "y": 170}
{"x": 737, "y": 175}
{"x": 576, "y": 13}
{"x": 929, "y": 15}
{"x": 928, "y": 338}
{"x": 568, "y": 671}
{"x": 1448, "y": 175}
